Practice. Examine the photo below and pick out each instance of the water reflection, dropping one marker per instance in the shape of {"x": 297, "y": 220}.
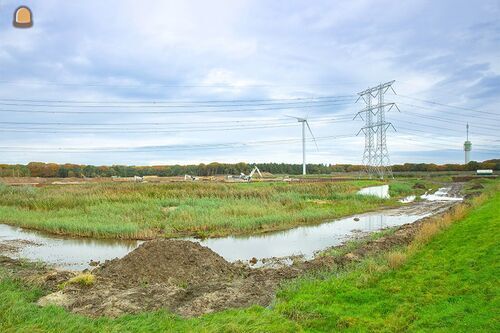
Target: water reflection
{"x": 302, "y": 240}
{"x": 381, "y": 191}
{"x": 68, "y": 253}
{"x": 408, "y": 199}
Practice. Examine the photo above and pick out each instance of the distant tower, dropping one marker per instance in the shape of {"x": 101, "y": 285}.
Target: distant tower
{"x": 467, "y": 147}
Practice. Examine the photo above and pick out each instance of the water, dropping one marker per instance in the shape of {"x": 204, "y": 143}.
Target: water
{"x": 76, "y": 253}
{"x": 381, "y": 191}
{"x": 440, "y": 195}
{"x": 67, "y": 253}
{"x": 305, "y": 240}
{"x": 408, "y": 199}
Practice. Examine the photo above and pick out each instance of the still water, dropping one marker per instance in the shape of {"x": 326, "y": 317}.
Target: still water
{"x": 381, "y": 191}
{"x": 303, "y": 240}
{"x": 76, "y": 253}
{"x": 67, "y": 253}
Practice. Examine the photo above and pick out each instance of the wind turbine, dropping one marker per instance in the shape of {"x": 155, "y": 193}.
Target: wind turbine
{"x": 304, "y": 124}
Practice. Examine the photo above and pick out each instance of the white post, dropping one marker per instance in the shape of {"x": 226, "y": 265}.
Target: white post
{"x": 303, "y": 147}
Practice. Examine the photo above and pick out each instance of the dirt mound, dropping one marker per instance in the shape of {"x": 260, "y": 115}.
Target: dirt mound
{"x": 181, "y": 276}
{"x": 174, "y": 262}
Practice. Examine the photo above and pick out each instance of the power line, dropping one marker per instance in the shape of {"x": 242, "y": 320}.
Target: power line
{"x": 439, "y": 127}
{"x": 170, "y": 130}
{"x": 446, "y": 141}
{"x": 162, "y": 105}
{"x": 337, "y": 97}
{"x": 441, "y": 110}
{"x": 441, "y": 147}
{"x": 172, "y": 112}
{"x": 244, "y": 121}
{"x": 448, "y": 105}
{"x": 163, "y": 148}
{"x": 449, "y": 120}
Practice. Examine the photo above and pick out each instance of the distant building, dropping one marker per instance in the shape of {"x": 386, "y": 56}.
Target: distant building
{"x": 467, "y": 147}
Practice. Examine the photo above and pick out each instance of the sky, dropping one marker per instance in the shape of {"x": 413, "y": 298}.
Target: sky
{"x": 182, "y": 82}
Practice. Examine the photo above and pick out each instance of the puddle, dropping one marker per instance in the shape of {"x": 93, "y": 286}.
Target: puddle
{"x": 441, "y": 195}
{"x": 408, "y": 199}
{"x": 381, "y": 191}
{"x": 67, "y": 253}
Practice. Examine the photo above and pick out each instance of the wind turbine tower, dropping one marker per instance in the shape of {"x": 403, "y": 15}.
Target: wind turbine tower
{"x": 304, "y": 124}
{"x": 467, "y": 147}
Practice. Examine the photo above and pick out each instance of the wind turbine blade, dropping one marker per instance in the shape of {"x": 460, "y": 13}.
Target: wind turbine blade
{"x": 310, "y": 131}
{"x": 296, "y": 118}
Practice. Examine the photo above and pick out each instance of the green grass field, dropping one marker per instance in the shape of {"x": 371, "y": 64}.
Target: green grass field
{"x": 445, "y": 281}
{"x": 128, "y": 210}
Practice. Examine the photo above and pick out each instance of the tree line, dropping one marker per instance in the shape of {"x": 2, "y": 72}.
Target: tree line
{"x": 39, "y": 169}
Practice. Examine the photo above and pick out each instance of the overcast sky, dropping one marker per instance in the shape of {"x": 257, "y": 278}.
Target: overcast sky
{"x": 99, "y": 53}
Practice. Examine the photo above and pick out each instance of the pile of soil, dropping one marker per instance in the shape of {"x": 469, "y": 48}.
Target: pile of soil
{"x": 181, "y": 276}
{"x": 167, "y": 261}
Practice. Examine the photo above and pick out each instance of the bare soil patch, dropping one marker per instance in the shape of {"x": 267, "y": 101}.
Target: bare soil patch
{"x": 13, "y": 246}
{"x": 31, "y": 273}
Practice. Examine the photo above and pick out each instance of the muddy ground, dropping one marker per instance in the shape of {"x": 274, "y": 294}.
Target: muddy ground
{"x": 189, "y": 279}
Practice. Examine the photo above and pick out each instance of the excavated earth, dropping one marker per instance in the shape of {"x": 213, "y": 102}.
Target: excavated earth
{"x": 182, "y": 276}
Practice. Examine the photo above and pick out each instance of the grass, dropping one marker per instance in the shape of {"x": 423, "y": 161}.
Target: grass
{"x": 445, "y": 281}
{"x": 84, "y": 280}
{"x": 141, "y": 211}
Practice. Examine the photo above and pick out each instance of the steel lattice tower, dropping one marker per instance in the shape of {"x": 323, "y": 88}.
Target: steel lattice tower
{"x": 376, "y": 155}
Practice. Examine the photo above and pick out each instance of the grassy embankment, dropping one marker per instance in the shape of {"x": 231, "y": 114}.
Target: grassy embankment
{"x": 117, "y": 210}
{"x": 446, "y": 280}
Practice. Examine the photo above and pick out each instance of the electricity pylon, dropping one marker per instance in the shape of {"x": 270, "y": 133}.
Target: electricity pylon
{"x": 376, "y": 156}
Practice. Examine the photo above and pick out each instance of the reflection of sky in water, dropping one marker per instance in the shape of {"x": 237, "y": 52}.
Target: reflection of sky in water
{"x": 440, "y": 195}
{"x": 70, "y": 253}
{"x": 302, "y": 240}
{"x": 381, "y": 191}
{"x": 408, "y": 199}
